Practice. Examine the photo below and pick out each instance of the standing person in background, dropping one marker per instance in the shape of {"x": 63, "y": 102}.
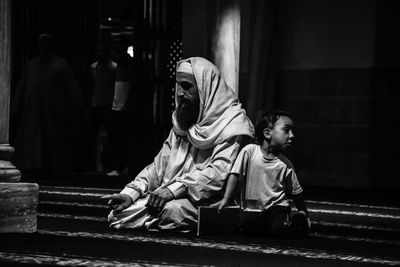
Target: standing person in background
{"x": 123, "y": 86}
{"x": 47, "y": 109}
{"x": 103, "y": 79}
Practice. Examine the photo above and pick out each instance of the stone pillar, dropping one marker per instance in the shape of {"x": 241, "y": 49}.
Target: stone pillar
{"x": 18, "y": 201}
{"x": 225, "y": 42}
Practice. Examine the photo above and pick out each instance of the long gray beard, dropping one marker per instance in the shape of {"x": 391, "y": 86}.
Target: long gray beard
{"x": 186, "y": 116}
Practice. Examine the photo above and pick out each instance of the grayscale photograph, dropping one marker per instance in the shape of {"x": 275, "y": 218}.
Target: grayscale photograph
{"x": 199, "y": 133}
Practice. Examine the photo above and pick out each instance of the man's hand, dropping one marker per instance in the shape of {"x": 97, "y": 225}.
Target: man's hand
{"x": 220, "y": 204}
{"x": 158, "y": 198}
{"x": 118, "y": 202}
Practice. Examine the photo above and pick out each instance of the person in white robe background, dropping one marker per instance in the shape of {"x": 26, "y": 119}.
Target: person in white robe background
{"x": 195, "y": 159}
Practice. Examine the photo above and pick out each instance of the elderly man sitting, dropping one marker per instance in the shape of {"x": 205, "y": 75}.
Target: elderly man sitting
{"x": 192, "y": 166}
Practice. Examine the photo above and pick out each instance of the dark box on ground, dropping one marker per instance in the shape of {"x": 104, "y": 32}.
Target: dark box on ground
{"x": 212, "y": 222}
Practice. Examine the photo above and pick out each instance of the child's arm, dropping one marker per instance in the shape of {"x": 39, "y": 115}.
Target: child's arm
{"x": 230, "y": 186}
{"x": 232, "y": 182}
{"x": 300, "y": 204}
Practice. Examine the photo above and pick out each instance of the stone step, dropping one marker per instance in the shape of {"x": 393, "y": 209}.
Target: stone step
{"x": 89, "y": 242}
{"x": 331, "y": 218}
{"x": 87, "y": 179}
{"x": 374, "y": 219}
{"x": 75, "y": 194}
{"x": 365, "y": 230}
{"x": 29, "y": 258}
{"x": 74, "y": 208}
{"x": 356, "y": 230}
{"x": 316, "y": 241}
{"x": 72, "y": 230}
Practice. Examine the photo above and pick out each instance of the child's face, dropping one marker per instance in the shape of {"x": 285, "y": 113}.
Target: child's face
{"x": 282, "y": 133}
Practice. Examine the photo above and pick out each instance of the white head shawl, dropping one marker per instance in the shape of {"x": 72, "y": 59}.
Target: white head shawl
{"x": 221, "y": 116}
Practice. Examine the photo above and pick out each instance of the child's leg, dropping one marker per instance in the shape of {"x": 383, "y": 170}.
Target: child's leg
{"x": 278, "y": 220}
{"x": 252, "y": 223}
{"x": 281, "y": 223}
{"x": 272, "y": 222}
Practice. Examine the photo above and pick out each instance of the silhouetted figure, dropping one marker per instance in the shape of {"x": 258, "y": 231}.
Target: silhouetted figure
{"x": 47, "y": 107}
{"x": 103, "y": 73}
{"x": 120, "y": 127}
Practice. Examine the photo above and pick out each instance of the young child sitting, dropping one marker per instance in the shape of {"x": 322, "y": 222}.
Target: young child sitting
{"x": 268, "y": 181}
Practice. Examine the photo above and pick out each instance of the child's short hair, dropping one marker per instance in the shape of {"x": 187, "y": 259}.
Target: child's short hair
{"x": 267, "y": 120}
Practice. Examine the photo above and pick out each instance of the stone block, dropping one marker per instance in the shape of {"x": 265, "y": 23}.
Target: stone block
{"x": 305, "y": 110}
{"x": 380, "y": 82}
{"x": 18, "y": 207}
{"x": 362, "y": 165}
{"x": 372, "y": 110}
{"x": 319, "y": 139}
{"x": 292, "y": 82}
{"x": 323, "y": 82}
{"x": 393, "y": 82}
{"x": 354, "y": 139}
{"x": 356, "y": 82}
{"x": 346, "y": 165}
{"x": 8, "y": 172}
{"x": 212, "y": 222}
{"x": 337, "y": 110}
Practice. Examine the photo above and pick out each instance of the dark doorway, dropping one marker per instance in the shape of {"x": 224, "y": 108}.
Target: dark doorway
{"x": 153, "y": 28}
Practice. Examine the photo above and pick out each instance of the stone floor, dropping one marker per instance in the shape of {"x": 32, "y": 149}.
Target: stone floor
{"x": 72, "y": 231}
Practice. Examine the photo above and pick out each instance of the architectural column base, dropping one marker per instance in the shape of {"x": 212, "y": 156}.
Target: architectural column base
{"x": 8, "y": 172}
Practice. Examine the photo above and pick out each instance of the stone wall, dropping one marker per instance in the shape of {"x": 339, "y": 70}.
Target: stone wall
{"x": 343, "y": 133}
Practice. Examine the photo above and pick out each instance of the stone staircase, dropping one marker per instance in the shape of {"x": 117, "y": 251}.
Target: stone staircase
{"x": 72, "y": 231}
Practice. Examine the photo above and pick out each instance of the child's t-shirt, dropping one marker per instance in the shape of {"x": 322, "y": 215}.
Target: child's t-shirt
{"x": 267, "y": 181}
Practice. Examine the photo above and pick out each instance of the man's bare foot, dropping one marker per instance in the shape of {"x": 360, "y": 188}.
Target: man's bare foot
{"x": 113, "y": 173}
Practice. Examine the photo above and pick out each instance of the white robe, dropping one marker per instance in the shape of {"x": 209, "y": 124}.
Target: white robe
{"x": 209, "y": 168}
{"x": 193, "y": 163}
